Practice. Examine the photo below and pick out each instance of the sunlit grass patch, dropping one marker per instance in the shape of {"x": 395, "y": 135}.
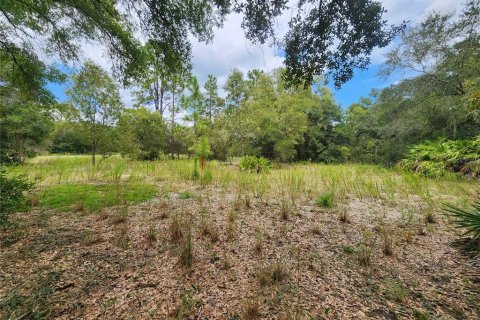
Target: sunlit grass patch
{"x": 94, "y": 197}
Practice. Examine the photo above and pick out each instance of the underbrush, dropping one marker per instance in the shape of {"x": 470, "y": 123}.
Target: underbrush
{"x": 443, "y": 157}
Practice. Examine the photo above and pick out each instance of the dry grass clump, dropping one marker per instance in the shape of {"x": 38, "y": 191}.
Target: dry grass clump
{"x": 251, "y": 310}
{"x": 343, "y": 216}
{"x": 78, "y": 207}
{"x": 186, "y": 249}
{"x": 176, "y": 228}
{"x": 151, "y": 234}
{"x": 316, "y": 229}
{"x": 208, "y": 229}
{"x": 388, "y": 243}
{"x": 120, "y": 216}
{"x": 272, "y": 274}
{"x": 258, "y": 247}
{"x": 365, "y": 249}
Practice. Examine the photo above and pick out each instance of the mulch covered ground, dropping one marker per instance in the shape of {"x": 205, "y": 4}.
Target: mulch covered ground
{"x": 119, "y": 264}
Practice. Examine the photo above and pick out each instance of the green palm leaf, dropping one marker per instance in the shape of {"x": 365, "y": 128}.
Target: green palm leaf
{"x": 468, "y": 219}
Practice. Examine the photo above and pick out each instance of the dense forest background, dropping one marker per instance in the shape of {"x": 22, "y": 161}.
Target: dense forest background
{"x": 262, "y": 114}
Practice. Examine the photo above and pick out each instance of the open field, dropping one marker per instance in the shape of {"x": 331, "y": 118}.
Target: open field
{"x": 142, "y": 240}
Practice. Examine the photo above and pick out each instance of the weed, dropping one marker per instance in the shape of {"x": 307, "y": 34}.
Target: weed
{"x": 185, "y": 195}
{"x": 258, "y": 247}
{"x": 152, "y": 234}
{"x": 316, "y": 229}
{"x": 251, "y": 310}
{"x": 420, "y": 315}
{"x": 232, "y": 216}
{"x": 348, "y": 249}
{"x": 92, "y": 237}
{"x": 430, "y": 216}
{"x": 284, "y": 210}
{"x": 395, "y": 291}
{"x": 387, "y": 243}
{"x": 343, "y": 216}
{"x": 33, "y": 305}
{"x": 272, "y": 274}
{"x": 365, "y": 249}
{"x": 231, "y": 230}
{"x": 78, "y": 207}
{"x": 121, "y": 215}
{"x": 186, "y": 249}
{"x": 189, "y": 303}
{"x": 163, "y": 214}
{"x": 176, "y": 228}
{"x": 207, "y": 228}
{"x": 325, "y": 200}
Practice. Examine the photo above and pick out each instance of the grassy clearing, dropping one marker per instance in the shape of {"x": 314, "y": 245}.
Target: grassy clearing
{"x": 272, "y": 242}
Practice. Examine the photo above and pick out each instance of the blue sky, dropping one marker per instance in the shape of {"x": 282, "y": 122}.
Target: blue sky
{"x": 229, "y": 49}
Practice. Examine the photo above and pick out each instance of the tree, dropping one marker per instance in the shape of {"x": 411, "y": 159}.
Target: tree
{"x": 68, "y": 137}
{"x": 23, "y": 129}
{"x": 213, "y": 103}
{"x": 143, "y": 134}
{"x": 444, "y": 50}
{"x": 335, "y": 36}
{"x": 194, "y": 102}
{"x": 97, "y": 99}
{"x": 235, "y": 88}
{"x": 270, "y": 123}
{"x": 154, "y": 80}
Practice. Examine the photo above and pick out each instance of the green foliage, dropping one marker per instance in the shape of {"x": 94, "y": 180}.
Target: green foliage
{"x": 185, "y": 195}
{"x": 12, "y": 196}
{"x": 68, "y": 137}
{"x": 24, "y": 126}
{"x": 96, "y": 96}
{"x": 255, "y": 164}
{"x": 441, "y": 157}
{"x": 333, "y": 28}
{"x": 325, "y": 200}
{"x": 94, "y": 197}
{"x": 143, "y": 134}
{"x": 468, "y": 219}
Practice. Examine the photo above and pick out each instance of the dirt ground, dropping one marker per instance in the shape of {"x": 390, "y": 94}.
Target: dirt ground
{"x": 123, "y": 264}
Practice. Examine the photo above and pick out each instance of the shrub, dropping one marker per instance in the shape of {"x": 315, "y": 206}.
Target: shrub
{"x": 325, "y": 200}
{"x": 12, "y": 196}
{"x": 441, "y": 157}
{"x": 254, "y": 164}
{"x": 468, "y": 219}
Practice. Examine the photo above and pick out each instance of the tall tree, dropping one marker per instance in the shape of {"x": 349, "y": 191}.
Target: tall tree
{"x": 235, "y": 88}
{"x": 193, "y": 102}
{"x": 96, "y": 97}
{"x": 213, "y": 100}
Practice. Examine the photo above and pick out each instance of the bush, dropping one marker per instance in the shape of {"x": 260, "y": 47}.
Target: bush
{"x": 441, "y": 157}
{"x": 254, "y": 164}
{"x": 468, "y": 219}
{"x": 11, "y": 196}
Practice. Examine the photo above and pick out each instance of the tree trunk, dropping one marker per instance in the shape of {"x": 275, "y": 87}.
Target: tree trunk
{"x": 172, "y": 125}
{"x": 94, "y": 152}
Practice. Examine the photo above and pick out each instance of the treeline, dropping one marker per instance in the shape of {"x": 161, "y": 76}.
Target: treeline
{"x": 259, "y": 113}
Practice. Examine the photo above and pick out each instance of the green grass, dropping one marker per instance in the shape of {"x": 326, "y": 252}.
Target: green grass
{"x": 185, "y": 195}
{"x": 94, "y": 197}
{"x": 325, "y": 200}
{"x": 294, "y": 183}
